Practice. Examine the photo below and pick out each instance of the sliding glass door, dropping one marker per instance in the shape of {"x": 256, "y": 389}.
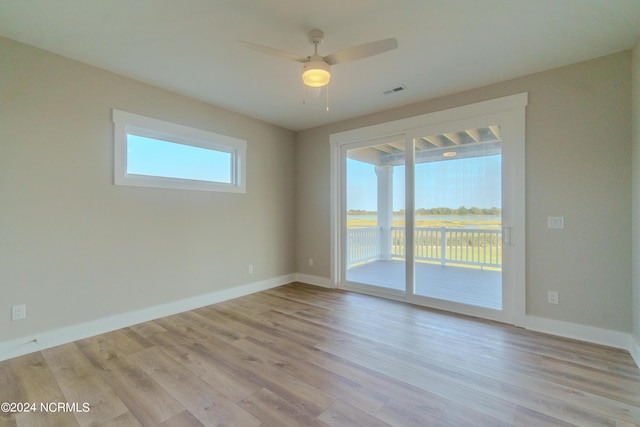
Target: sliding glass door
{"x": 458, "y": 217}
{"x": 375, "y": 216}
{"x": 430, "y": 209}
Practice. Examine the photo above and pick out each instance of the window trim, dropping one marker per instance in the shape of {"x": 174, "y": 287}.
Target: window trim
{"x": 128, "y": 123}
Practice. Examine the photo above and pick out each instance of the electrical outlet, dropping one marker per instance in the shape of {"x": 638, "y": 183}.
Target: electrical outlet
{"x": 552, "y": 297}
{"x": 310, "y": 262}
{"x": 250, "y": 269}
{"x": 18, "y": 312}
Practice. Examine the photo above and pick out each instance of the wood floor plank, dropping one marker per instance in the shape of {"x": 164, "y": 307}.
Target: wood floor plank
{"x": 147, "y": 329}
{"x": 274, "y": 410}
{"x": 350, "y": 368}
{"x": 286, "y": 386}
{"x": 241, "y": 325}
{"x": 250, "y": 324}
{"x": 406, "y": 342}
{"x": 399, "y": 412}
{"x": 204, "y": 363}
{"x": 527, "y": 418}
{"x": 11, "y": 390}
{"x": 112, "y": 346}
{"x": 483, "y": 394}
{"x": 303, "y": 355}
{"x": 463, "y": 415}
{"x": 528, "y": 382}
{"x": 425, "y": 379}
{"x": 125, "y": 420}
{"x": 341, "y": 414}
{"x": 205, "y": 327}
{"x": 346, "y": 390}
{"x": 39, "y": 387}
{"x": 596, "y": 381}
{"x": 201, "y": 399}
{"x": 146, "y": 399}
{"x": 252, "y": 368}
{"x": 80, "y": 382}
{"x": 183, "y": 419}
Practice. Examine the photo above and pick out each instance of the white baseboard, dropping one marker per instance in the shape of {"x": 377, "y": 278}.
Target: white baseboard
{"x": 616, "y": 339}
{"x": 579, "y": 332}
{"x": 48, "y": 339}
{"x": 634, "y": 349}
{"x": 315, "y": 280}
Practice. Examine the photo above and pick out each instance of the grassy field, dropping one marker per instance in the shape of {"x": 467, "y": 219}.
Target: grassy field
{"x": 476, "y": 222}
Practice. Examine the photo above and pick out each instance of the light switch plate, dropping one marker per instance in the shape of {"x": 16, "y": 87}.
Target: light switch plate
{"x": 555, "y": 222}
{"x": 18, "y": 312}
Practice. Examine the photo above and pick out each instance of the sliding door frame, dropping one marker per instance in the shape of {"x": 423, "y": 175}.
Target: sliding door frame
{"x": 343, "y": 148}
{"x": 507, "y": 112}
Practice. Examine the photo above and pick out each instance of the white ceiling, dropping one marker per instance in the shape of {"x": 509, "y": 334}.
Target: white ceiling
{"x": 445, "y": 46}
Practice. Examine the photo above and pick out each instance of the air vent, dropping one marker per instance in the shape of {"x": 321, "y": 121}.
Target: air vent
{"x": 394, "y": 90}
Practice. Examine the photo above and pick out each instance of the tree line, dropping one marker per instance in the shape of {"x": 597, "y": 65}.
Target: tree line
{"x": 462, "y": 210}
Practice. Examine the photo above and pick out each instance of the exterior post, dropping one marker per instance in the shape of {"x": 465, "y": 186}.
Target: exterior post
{"x": 385, "y": 209}
{"x": 443, "y": 247}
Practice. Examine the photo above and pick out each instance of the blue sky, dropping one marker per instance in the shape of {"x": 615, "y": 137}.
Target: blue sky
{"x": 154, "y": 157}
{"x": 452, "y": 183}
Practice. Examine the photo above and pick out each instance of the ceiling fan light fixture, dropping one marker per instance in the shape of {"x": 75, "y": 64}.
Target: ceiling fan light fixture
{"x": 316, "y": 73}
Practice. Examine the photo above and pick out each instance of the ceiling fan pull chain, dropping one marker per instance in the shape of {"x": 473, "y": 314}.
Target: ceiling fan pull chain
{"x": 327, "y": 97}
{"x": 304, "y": 94}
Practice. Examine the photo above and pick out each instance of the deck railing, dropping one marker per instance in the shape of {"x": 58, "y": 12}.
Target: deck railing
{"x": 363, "y": 244}
{"x": 475, "y": 247}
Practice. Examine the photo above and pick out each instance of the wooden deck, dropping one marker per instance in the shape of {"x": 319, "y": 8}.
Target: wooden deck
{"x": 471, "y": 286}
{"x": 302, "y": 355}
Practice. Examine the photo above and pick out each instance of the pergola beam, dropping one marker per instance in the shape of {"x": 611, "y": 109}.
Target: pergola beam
{"x": 474, "y": 134}
{"x": 384, "y": 148}
{"x": 453, "y": 137}
{"x": 496, "y": 131}
{"x": 397, "y": 145}
{"x": 433, "y": 140}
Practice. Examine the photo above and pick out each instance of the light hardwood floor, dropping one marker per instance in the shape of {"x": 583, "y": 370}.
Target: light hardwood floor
{"x": 302, "y": 355}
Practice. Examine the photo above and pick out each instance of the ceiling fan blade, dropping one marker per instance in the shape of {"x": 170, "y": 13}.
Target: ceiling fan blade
{"x": 361, "y": 51}
{"x": 274, "y": 52}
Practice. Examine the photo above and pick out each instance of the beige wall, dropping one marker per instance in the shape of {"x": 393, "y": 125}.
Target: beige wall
{"x": 74, "y": 247}
{"x": 578, "y": 165}
{"x": 635, "y": 108}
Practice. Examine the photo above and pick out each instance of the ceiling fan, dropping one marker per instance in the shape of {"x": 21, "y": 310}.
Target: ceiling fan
{"x": 316, "y": 69}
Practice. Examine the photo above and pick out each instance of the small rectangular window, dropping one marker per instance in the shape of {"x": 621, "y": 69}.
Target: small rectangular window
{"x": 155, "y": 157}
{"x": 154, "y": 153}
